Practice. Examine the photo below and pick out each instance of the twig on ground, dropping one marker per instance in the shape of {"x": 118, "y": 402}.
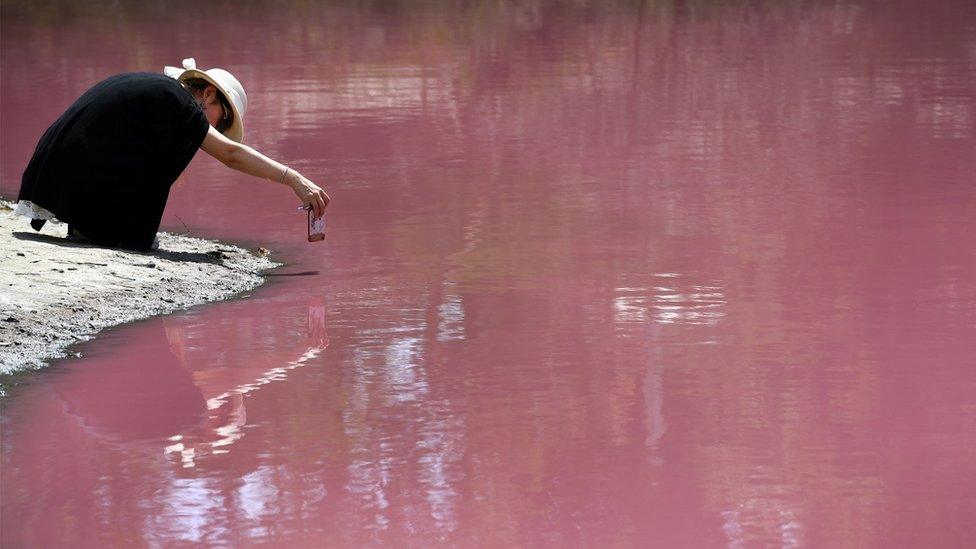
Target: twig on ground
{"x": 184, "y": 224}
{"x": 80, "y": 263}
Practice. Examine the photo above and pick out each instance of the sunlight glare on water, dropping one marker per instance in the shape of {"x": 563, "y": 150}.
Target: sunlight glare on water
{"x": 596, "y": 274}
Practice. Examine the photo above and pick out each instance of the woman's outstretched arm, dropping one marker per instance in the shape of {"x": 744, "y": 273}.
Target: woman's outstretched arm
{"x": 245, "y": 159}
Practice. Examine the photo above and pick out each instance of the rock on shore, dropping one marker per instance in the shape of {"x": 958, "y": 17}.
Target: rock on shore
{"x": 55, "y": 292}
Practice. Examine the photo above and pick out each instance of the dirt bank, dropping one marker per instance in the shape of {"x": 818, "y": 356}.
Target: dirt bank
{"x": 54, "y": 292}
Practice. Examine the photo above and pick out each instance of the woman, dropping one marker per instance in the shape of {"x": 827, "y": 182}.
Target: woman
{"x": 106, "y": 165}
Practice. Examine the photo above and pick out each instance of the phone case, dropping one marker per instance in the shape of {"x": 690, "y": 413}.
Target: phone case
{"x": 316, "y": 227}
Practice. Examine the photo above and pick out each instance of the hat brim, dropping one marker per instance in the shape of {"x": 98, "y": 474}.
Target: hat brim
{"x": 236, "y": 130}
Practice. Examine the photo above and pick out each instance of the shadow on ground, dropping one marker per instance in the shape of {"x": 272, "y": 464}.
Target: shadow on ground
{"x": 214, "y": 257}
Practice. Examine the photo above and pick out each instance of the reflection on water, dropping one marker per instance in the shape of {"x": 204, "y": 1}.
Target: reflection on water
{"x": 604, "y": 274}
{"x": 226, "y": 414}
{"x": 694, "y": 305}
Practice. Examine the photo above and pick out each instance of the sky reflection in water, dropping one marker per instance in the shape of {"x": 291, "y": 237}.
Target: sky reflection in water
{"x": 649, "y": 273}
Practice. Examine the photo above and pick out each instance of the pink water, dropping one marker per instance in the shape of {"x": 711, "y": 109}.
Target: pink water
{"x": 649, "y": 274}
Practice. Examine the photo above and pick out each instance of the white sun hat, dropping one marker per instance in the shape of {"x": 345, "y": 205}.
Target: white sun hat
{"x": 223, "y": 81}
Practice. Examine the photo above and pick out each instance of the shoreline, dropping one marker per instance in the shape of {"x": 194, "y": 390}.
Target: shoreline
{"x": 55, "y": 292}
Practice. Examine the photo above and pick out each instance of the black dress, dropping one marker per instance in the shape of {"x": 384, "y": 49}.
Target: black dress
{"x": 106, "y": 165}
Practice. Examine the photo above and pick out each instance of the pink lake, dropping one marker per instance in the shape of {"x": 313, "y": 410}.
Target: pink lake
{"x": 635, "y": 274}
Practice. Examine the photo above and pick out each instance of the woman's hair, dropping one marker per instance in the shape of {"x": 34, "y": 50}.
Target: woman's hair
{"x": 200, "y": 84}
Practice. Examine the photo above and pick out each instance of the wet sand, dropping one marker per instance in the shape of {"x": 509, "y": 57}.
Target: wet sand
{"x": 54, "y": 292}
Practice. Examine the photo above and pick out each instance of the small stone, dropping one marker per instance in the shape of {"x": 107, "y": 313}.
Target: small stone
{"x": 21, "y": 254}
{"x": 10, "y": 319}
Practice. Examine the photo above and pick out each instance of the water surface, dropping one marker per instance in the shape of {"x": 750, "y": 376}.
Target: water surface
{"x": 641, "y": 274}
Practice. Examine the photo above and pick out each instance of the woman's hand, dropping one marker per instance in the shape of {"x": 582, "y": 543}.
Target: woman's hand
{"x": 309, "y": 193}
{"x": 245, "y": 159}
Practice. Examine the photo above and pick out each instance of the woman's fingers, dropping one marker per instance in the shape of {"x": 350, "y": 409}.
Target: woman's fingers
{"x": 314, "y": 197}
{"x": 319, "y": 203}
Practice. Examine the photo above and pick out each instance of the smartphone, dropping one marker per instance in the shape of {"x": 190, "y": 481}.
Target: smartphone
{"x": 316, "y": 227}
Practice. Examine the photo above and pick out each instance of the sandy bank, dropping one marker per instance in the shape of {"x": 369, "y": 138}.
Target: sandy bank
{"x": 54, "y": 292}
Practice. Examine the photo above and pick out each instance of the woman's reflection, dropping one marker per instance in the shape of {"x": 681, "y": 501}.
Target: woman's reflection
{"x": 226, "y": 414}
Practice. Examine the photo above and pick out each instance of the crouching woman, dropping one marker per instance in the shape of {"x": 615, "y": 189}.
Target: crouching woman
{"x": 106, "y": 165}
